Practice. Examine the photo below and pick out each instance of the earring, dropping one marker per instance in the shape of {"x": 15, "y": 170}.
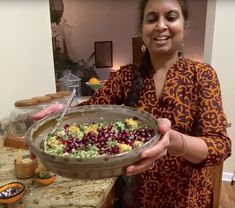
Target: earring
{"x": 143, "y": 48}
{"x": 181, "y": 47}
{"x": 182, "y": 44}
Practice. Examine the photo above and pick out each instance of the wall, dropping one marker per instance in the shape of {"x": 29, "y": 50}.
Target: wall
{"x": 26, "y": 65}
{"x": 194, "y": 38}
{"x": 220, "y": 45}
{"x": 89, "y": 21}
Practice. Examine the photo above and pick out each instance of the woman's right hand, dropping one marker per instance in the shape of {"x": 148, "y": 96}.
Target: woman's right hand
{"x": 50, "y": 109}
{"x": 149, "y": 156}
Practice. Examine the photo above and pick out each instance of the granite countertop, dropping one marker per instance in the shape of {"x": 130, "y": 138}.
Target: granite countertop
{"x": 64, "y": 192}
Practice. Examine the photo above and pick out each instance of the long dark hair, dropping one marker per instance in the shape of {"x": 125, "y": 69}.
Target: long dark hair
{"x": 145, "y": 65}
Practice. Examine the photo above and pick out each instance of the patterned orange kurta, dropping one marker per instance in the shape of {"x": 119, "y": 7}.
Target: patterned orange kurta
{"x": 191, "y": 100}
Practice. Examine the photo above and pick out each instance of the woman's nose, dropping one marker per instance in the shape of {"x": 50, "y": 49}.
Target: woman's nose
{"x": 161, "y": 25}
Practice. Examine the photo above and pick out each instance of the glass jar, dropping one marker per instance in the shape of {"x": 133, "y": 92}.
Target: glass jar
{"x": 65, "y": 95}
{"x": 43, "y": 101}
{"x": 70, "y": 81}
{"x": 20, "y": 118}
{"x": 56, "y": 97}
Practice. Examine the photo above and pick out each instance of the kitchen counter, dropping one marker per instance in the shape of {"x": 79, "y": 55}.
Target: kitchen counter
{"x": 64, "y": 192}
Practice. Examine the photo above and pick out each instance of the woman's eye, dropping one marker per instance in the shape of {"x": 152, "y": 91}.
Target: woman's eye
{"x": 172, "y": 17}
{"x": 151, "y": 19}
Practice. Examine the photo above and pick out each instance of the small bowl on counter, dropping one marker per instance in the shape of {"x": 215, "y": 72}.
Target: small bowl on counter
{"x": 11, "y": 192}
{"x": 45, "y": 178}
{"x": 25, "y": 167}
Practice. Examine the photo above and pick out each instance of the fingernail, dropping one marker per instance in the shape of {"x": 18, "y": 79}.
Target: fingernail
{"x": 143, "y": 155}
{"x": 129, "y": 169}
{"x": 164, "y": 127}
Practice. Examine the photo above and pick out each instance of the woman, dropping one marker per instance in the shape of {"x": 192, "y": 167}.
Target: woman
{"x": 185, "y": 97}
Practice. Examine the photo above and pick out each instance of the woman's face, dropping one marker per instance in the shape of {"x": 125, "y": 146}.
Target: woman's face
{"x": 163, "y": 26}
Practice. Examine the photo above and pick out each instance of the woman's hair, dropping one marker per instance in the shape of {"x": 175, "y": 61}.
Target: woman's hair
{"x": 145, "y": 65}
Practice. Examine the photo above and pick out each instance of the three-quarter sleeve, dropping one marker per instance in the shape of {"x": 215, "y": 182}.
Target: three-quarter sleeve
{"x": 212, "y": 121}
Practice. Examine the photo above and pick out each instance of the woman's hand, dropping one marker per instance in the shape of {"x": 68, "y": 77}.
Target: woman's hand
{"x": 150, "y": 155}
{"x": 50, "y": 109}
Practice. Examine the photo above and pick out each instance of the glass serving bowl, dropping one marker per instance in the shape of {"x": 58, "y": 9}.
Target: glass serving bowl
{"x": 96, "y": 167}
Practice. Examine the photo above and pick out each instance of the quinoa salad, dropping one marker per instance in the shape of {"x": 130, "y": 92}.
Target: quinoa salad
{"x": 97, "y": 139}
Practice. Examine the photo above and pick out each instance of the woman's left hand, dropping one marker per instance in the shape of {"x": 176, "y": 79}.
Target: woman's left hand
{"x": 149, "y": 156}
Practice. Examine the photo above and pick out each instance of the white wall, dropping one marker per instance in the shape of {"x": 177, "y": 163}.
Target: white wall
{"x": 26, "y": 62}
{"x": 220, "y": 46}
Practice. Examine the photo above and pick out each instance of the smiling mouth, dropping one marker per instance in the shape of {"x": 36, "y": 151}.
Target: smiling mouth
{"x": 162, "y": 38}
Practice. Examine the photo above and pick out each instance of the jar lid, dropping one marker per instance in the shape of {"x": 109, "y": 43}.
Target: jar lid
{"x": 42, "y": 99}
{"x": 64, "y": 93}
{"x": 69, "y": 77}
{"x": 55, "y": 95}
{"x": 26, "y": 103}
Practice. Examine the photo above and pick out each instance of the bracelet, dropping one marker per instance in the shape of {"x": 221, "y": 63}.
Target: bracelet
{"x": 152, "y": 166}
{"x": 184, "y": 146}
